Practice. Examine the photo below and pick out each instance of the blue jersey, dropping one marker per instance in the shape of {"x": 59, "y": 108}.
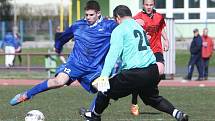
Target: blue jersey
{"x": 9, "y": 40}
{"x": 91, "y": 44}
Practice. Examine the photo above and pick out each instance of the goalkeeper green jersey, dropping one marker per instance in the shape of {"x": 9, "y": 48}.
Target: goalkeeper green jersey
{"x": 130, "y": 43}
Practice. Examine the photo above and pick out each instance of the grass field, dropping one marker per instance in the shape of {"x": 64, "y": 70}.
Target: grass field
{"x": 63, "y": 105}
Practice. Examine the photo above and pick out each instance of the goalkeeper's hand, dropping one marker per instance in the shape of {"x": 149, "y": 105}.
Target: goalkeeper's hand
{"x": 101, "y": 84}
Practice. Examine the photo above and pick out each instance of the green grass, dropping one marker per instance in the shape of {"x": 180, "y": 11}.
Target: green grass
{"x": 63, "y": 104}
{"x": 183, "y": 56}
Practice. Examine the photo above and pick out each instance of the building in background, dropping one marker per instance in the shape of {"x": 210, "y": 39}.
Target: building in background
{"x": 188, "y": 14}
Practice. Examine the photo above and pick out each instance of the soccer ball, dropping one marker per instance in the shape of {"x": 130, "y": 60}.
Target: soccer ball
{"x": 34, "y": 115}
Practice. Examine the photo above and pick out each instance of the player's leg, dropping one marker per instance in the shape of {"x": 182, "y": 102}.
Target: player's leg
{"x": 190, "y": 69}
{"x": 12, "y": 50}
{"x": 161, "y": 104}
{"x": 60, "y": 80}
{"x": 100, "y": 104}
{"x": 102, "y": 100}
{"x": 150, "y": 93}
{"x": 134, "y": 109}
{"x": 20, "y": 60}
{"x": 92, "y": 106}
{"x": 121, "y": 85}
{"x": 200, "y": 69}
{"x": 150, "y": 96}
{"x": 9, "y": 58}
{"x": 206, "y": 68}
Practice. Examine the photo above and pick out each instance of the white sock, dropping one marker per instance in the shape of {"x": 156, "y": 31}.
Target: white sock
{"x": 94, "y": 112}
{"x": 174, "y": 114}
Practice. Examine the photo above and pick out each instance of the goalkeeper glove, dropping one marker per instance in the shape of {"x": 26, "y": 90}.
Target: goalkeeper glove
{"x": 101, "y": 84}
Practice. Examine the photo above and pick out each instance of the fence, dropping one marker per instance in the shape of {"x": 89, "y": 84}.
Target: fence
{"x": 47, "y": 59}
{"x": 31, "y": 30}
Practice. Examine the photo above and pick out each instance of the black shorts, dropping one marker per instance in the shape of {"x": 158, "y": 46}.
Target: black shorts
{"x": 159, "y": 57}
{"x": 143, "y": 80}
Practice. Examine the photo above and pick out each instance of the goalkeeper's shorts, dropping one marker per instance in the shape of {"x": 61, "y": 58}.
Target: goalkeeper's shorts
{"x": 141, "y": 80}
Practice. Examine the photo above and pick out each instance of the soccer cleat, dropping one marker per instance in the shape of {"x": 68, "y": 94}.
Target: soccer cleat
{"x": 18, "y": 99}
{"x": 200, "y": 79}
{"x": 182, "y": 117}
{"x": 187, "y": 78}
{"x": 88, "y": 115}
{"x": 134, "y": 110}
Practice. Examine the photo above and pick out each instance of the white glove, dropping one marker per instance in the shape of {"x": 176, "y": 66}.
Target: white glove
{"x": 101, "y": 84}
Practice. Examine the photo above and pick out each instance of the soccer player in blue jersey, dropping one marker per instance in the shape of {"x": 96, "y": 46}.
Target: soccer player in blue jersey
{"x": 139, "y": 72}
{"x": 92, "y": 40}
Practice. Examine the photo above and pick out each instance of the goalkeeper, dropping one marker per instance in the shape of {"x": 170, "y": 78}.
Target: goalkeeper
{"x": 139, "y": 70}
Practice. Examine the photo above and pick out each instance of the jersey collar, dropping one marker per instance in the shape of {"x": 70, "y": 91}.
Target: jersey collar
{"x": 98, "y": 21}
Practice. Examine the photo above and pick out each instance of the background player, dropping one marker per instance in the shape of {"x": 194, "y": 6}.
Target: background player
{"x": 154, "y": 25}
{"x": 92, "y": 41}
{"x": 139, "y": 69}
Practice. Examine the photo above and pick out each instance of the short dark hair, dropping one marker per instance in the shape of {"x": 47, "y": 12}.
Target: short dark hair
{"x": 92, "y": 5}
{"x": 121, "y": 11}
{"x": 195, "y": 30}
{"x": 144, "y": 1}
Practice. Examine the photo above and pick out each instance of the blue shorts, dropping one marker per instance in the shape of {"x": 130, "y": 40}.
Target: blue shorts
{"x": 84, "y": 75}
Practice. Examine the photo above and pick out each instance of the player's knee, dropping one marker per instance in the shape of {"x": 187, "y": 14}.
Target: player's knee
{"x": 152, "y": 101}
{"x": 160, "y": 67}
{"x": 61, "y": 79}
{"x": 57, "y": 82}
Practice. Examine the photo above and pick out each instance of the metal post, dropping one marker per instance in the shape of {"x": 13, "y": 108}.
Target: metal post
{"x": 21, "y": 28}
{"x": 15, "y": 29}
{"x": 28, "y": 62}
{"x": 78, "y": 9}
{"x": 70, "y": 12}
{"x": 50, "y": 30}
{"x": 61, "y": 16}
{"x": 169, "y": 56}
{"x": 3, "y": 29}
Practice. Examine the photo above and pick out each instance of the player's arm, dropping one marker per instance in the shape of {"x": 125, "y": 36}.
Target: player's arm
{"x": 213, "y": 45}
{"x": 62, "y": 39}
{"x": 116, "y": 46}
{"x": 112, "y": 25}
{"x": 138, "y": 19}
{"x": 166, "y": 40}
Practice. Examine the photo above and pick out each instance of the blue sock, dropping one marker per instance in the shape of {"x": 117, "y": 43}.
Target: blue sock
{"x": 92, "y": 106}
{"x": 37, "y": 89}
